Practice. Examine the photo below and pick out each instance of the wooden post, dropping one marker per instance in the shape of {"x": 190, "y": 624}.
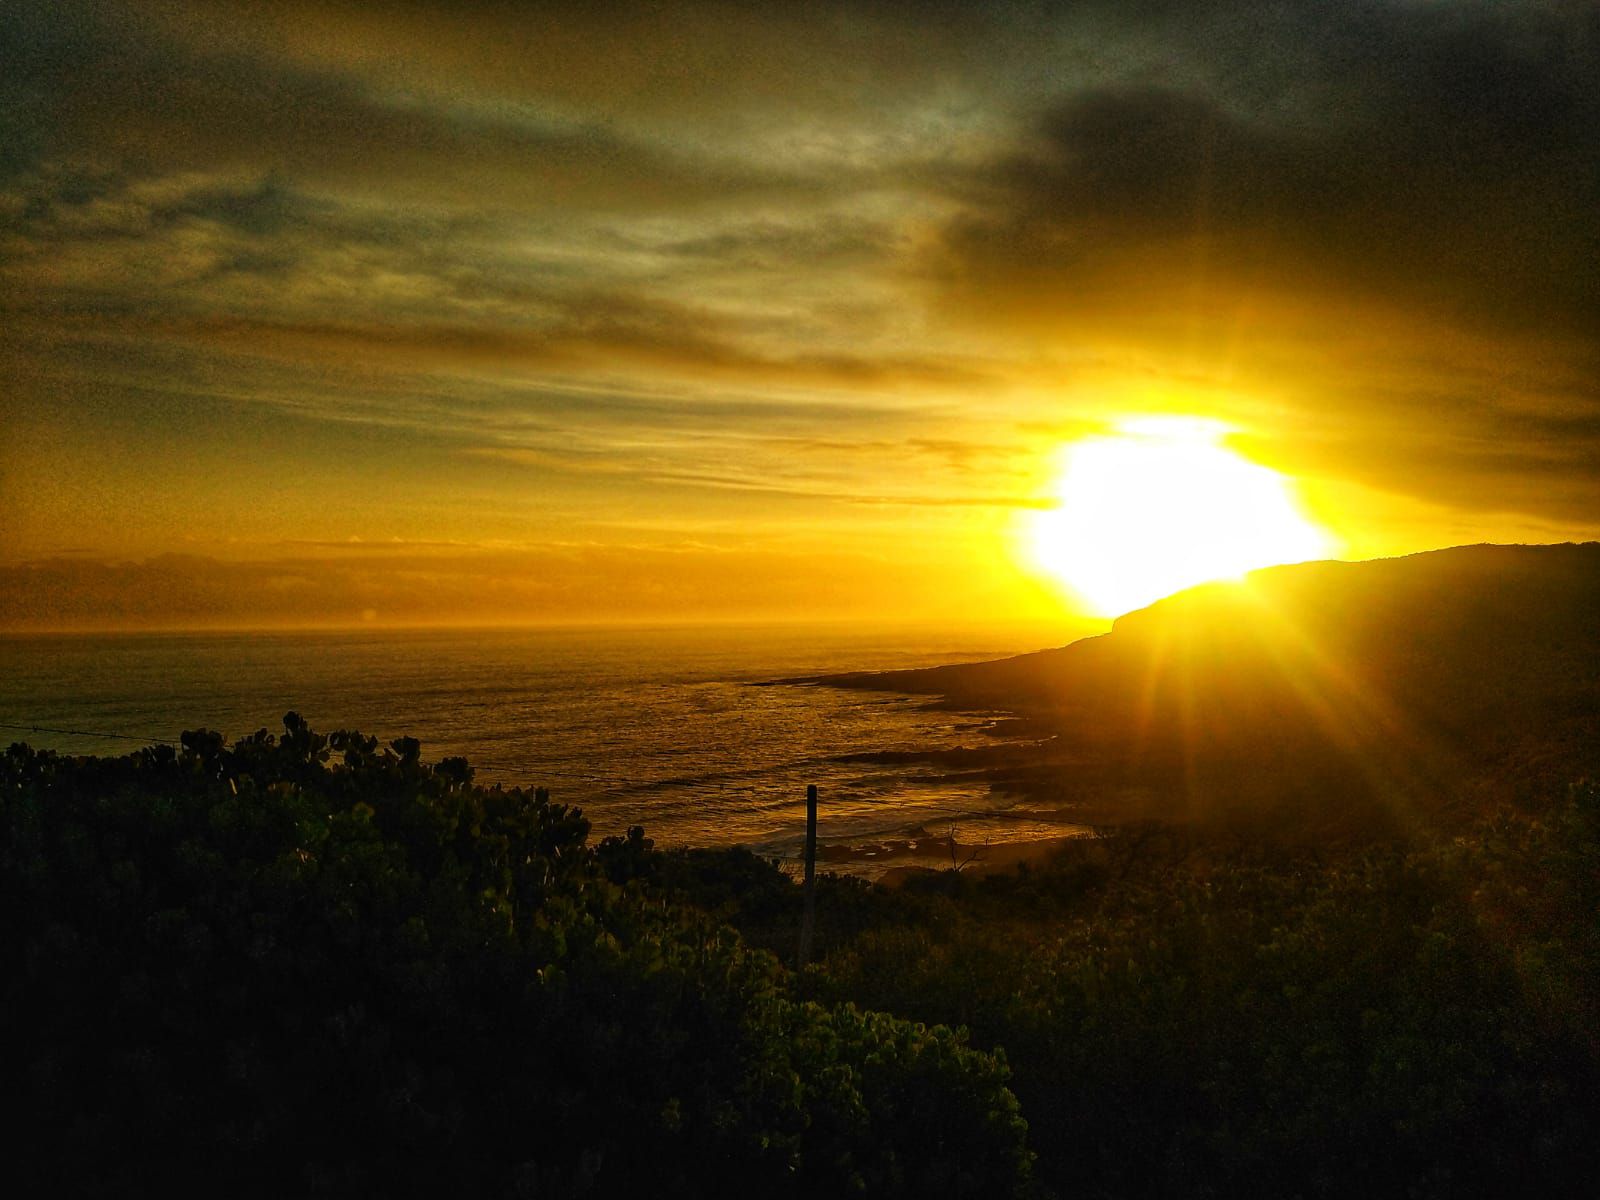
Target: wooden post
{"x": 809, "y": 921}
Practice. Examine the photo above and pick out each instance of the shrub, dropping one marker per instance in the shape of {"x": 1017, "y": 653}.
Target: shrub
{"x": 305, "y": 963}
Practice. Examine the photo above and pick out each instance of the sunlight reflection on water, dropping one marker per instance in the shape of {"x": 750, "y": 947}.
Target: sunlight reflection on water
{"x": 653, "y": 727}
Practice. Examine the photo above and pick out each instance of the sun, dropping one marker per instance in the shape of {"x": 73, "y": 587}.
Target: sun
{"x": 1161, "y": 505}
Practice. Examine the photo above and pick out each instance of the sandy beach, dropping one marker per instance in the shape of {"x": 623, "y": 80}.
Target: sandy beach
{"x": 891, "y": 863}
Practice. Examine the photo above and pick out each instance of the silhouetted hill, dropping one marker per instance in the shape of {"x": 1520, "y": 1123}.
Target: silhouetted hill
{"x": 1329, "y": 690}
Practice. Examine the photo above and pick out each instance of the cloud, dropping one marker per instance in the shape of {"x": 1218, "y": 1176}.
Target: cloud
{"x": 257, "y": 265}
{"x": 555, "y": 582}
{"x": 723, "y": 63}
{"x": 855, "y": 267}
{"x": 761, "y": 459}
{"x": 1136, "y": 192}
{"x": 113, "y": 89}
{"x": 1381, "y": 215}
{"x": 1446, "y": 154}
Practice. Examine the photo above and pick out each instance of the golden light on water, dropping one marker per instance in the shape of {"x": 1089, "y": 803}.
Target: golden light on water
{"x": 1161, "y": 505}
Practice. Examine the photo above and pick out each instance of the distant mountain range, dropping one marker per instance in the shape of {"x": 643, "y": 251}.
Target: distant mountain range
{"x": 1323, "y": 696}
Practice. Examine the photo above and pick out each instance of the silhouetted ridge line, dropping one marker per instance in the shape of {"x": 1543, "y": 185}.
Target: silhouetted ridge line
{"x": 1343, "y": 693}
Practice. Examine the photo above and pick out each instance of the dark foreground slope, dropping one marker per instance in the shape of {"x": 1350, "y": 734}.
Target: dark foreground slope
{"x": 1330, "y": 694}
{"x": 308, "y": 966}
{"x": 305, "y": 966}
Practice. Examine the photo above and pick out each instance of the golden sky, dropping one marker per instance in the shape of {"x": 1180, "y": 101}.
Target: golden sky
{"x": 456, "y": 312}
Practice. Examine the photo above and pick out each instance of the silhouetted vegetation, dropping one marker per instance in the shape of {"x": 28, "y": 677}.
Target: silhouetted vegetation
{"x": 307, "y": 964}
{"x": 1199, "y": 1014}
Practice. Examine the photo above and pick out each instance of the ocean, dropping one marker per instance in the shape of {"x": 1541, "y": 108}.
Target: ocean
{"x": 660, "y": 727}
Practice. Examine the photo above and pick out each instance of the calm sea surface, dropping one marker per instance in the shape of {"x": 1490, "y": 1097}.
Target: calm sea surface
{"x": 660, "y": 727}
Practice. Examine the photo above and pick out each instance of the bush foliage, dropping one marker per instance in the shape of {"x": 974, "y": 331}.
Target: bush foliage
{"x": 308, "y": 964}
{"x": 1194, "y": 1014}
{"x": 301, "y": 964}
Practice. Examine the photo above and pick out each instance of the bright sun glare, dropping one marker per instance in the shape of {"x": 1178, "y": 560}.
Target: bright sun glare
{"x": 1160, "y": 506}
